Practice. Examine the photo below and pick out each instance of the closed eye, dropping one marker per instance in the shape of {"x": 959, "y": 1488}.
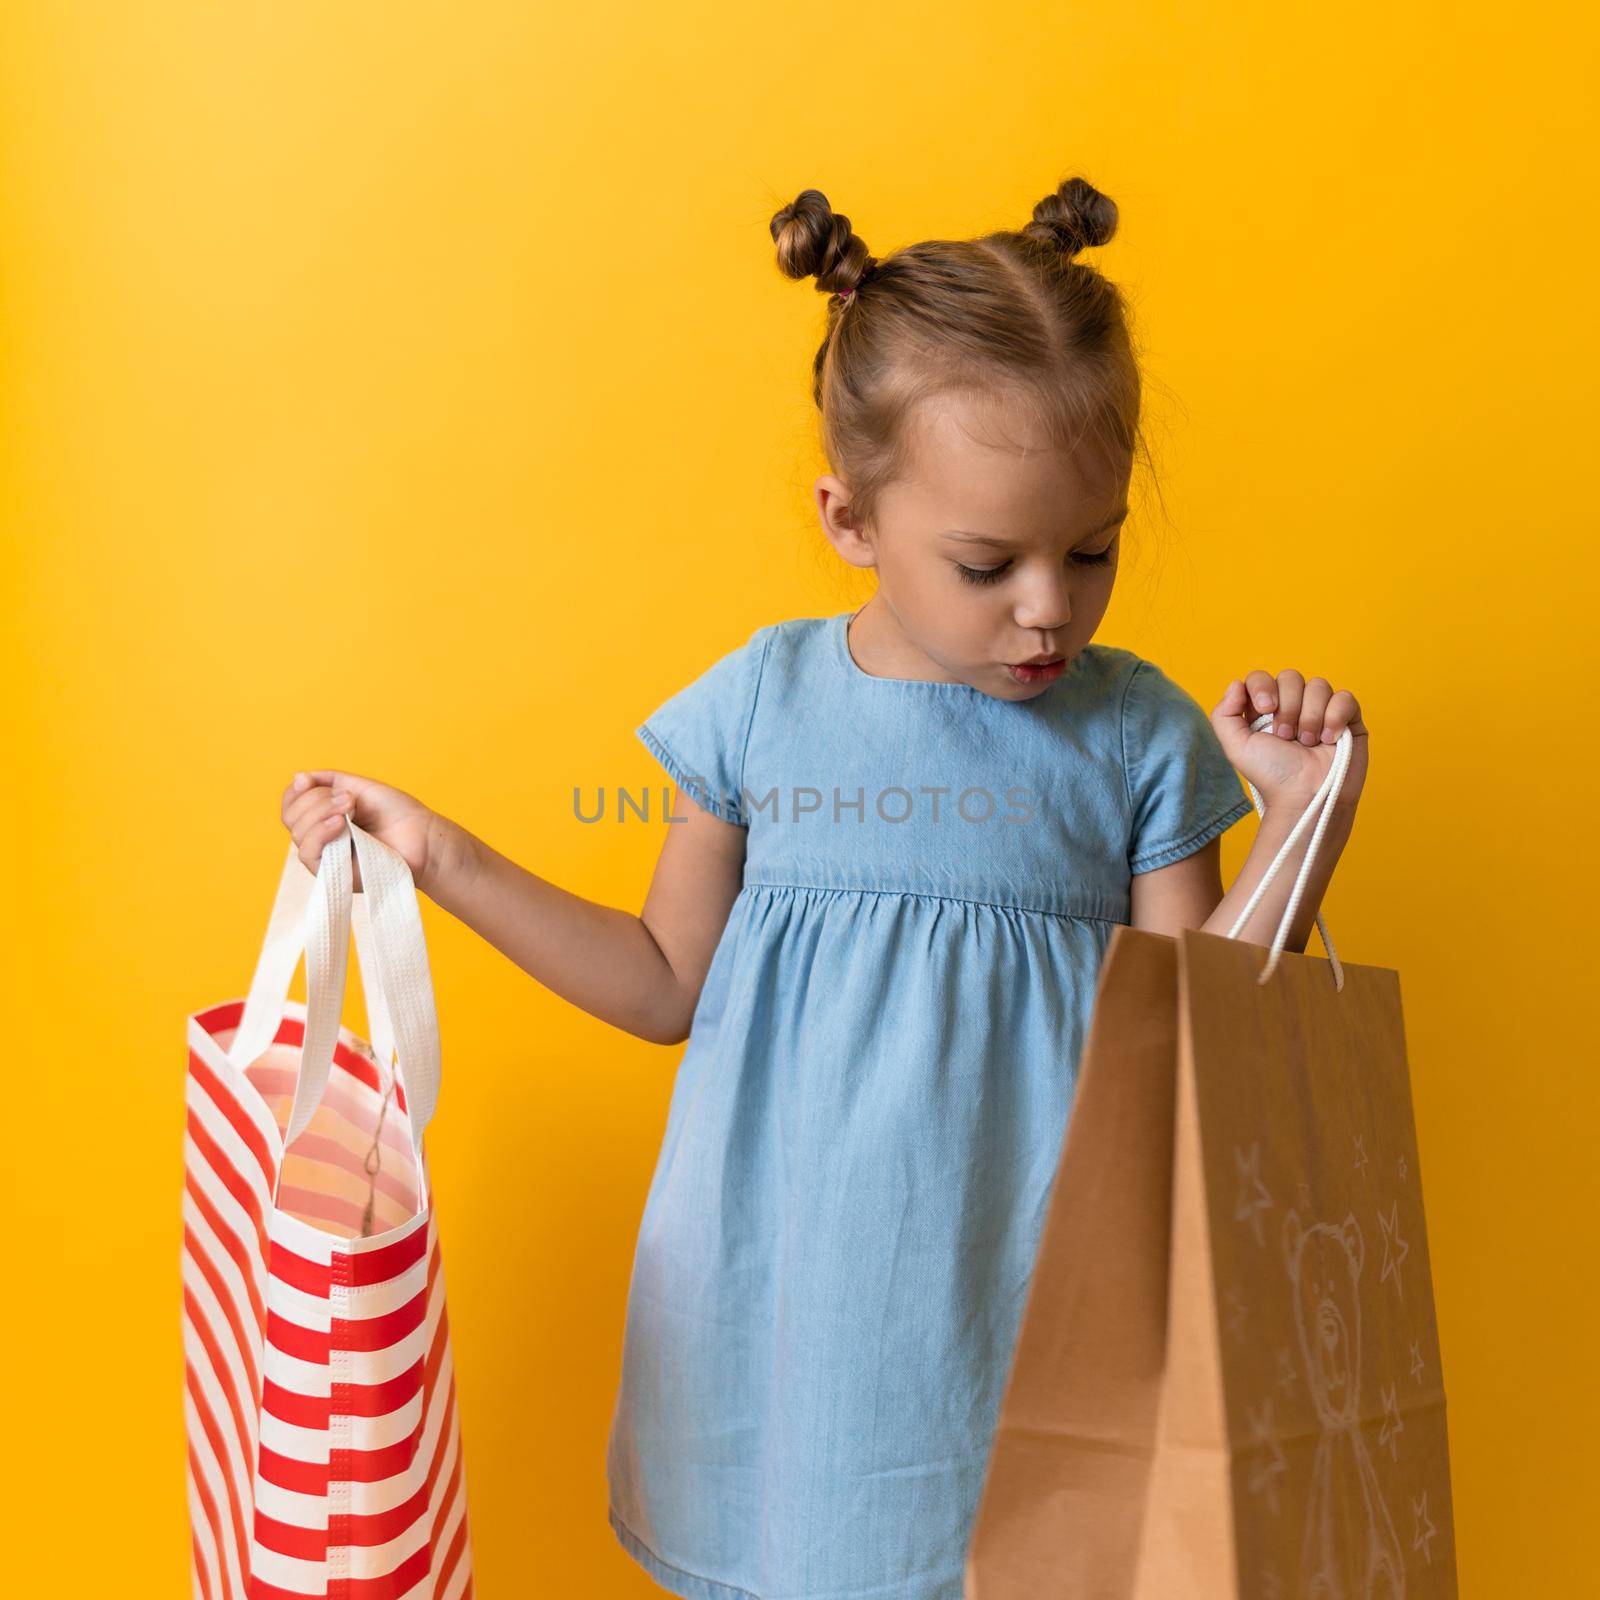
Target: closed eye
{"x": 982, "y": 574}
{"x": 1098, "y": 558}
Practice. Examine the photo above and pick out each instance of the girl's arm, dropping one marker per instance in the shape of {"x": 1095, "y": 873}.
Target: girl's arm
{"x": 1276, "y": 826}
{"x": 1188, "y": 894}
{"x": 641, "y": 973}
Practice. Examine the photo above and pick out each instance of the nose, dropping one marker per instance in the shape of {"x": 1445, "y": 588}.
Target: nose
{"x": 1046, "y": 605}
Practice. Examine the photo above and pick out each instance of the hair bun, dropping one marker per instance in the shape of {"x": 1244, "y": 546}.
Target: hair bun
{"x": 1076, "y": 217}
{"x": 815, "y": 241}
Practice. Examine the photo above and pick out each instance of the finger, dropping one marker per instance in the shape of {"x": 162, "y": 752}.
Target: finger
{"x": 310, "y": 807}
{"x": 1263, "y": 689}
{"x": 1313, "y": 708}
{"x": 323, "y": 778}
{"x": 1230, "y": 720}
{"x": 318, "y": 837}
{"x": 1235, "y": 701}
{"x": 314, "y": 778}
{"x": 1291, "y": 687}
{"x": 1337, "y": 717}
{"x": 318, "y": 809}
{"x": 298, "y": 804}
{"x": 1343, "y": 712}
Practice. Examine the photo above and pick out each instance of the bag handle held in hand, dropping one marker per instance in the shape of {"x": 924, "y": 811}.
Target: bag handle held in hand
{"x": 315, "y": 914}
{"x": 280, "y": 955}
{"x": 1320, "y": 809}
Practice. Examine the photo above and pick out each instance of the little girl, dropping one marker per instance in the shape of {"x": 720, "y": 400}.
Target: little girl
{"x": 879, "y": 922}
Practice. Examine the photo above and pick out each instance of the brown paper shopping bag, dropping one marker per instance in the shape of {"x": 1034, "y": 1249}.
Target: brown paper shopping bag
{"x": 1226, "y": 1383}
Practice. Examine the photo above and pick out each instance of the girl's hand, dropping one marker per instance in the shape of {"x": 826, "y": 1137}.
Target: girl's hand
{"x": 316, "y": 804}
{"x": 1288, "y": 761}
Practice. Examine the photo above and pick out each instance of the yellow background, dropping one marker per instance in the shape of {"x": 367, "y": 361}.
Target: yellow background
{"x": 409, "y": 387}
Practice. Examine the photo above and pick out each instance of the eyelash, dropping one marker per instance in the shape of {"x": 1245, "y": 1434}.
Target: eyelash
{"x": 1101, "y": 558}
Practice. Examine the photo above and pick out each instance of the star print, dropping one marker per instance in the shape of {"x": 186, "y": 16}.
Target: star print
{"x": 1271, "y": 1586}
{"x": 1402, "y": 1166}
{"x": 1416, "y": 1360}
{"x": 1237, "y": 1311}
{"x": 1390, "y": 1429}
{"x": 1425, "y": 1529}
{"x": 1253, "y": 1196}
{"x": 1361, "y": 1151}
{"x": 1394, "y": 1247}
{"x": 1271, "y": 1464}
{"x": 1287, "y": 1376}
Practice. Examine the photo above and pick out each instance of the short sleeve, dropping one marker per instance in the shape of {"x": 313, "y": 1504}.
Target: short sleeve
{"x": 699, "y": 735}
{"x": 1182, "y": 789}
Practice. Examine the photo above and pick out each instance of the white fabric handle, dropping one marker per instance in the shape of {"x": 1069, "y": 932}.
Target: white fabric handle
{"x": 316, "y": 915}
{"x": 404, "y": 988}
{"x": 377, "y": 1010}
{"x": 280, "y": 955}
{"x": 1320, "y": 809}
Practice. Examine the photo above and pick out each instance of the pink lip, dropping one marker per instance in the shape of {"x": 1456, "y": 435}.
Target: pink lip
{"x": 1030, "y": 672}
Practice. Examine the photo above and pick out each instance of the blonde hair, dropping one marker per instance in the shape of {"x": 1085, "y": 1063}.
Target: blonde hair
{"x": 1012, "y": 314}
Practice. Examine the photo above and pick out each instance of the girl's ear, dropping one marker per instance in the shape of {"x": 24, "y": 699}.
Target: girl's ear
{"x": 853, "y": 543}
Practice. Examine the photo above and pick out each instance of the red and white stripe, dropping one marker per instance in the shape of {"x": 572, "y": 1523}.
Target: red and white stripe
{"x": 324, "y": 1443}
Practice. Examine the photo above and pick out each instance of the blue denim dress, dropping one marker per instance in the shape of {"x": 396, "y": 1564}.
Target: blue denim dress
{"x": 836, "y": 1244}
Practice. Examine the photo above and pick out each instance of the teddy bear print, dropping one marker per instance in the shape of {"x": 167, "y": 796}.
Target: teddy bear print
{"x": 1349, "y": 1550}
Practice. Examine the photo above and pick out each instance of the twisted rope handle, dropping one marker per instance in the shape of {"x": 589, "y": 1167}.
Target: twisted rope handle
{"x": 1320, "y": 809}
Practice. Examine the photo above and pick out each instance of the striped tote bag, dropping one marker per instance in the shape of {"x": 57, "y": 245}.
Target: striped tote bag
{"x": 323, "y": 1441}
